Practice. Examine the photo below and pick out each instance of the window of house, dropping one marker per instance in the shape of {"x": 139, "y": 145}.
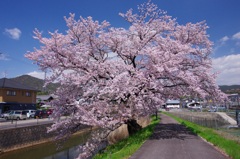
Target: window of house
{"x": 11, "y": 93}
{"x": 28, "y": 94}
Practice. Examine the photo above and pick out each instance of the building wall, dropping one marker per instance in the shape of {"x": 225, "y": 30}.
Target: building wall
{"x": 172, "y": 106}
{"x": 1, "y": 98}
{"x": 19, "y": 97}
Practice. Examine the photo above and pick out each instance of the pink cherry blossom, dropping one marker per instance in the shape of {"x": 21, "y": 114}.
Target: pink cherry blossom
{"x": 154, "y": 59}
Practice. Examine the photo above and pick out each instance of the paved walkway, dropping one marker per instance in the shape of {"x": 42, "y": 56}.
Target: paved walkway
{"x": 173, "y": 141}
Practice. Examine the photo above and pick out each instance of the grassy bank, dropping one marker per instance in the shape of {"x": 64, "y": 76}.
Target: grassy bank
{"x": 230, "y": 147}
{"x": 126, "y": 147}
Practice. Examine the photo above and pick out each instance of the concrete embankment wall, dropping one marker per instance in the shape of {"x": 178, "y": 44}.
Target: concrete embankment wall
{"x": 211, "y": 120}
{"x": 16, "y": 138}
{"x": 12, "y": 139}
{"x": 122, "y": 132}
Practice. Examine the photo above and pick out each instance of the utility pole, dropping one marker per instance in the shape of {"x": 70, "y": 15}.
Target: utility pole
{"x": 238, "y": 100}
{"x": 238, "y": 111}
{"x": 5, "y": 74}
{"x": 44, "y": 89}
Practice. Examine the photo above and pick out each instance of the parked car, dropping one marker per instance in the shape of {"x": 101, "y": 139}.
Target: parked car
{"x": 30, "y": 113}
{"x": 41, "y": 114}
{"x": 17, "y": 114}
{"x": 212, "y": 110}
{"x": 219, "y": 108}
{"x": 49, "y": 111}
{"x": 5, "y": 114}
{"x": 194, "y": 106}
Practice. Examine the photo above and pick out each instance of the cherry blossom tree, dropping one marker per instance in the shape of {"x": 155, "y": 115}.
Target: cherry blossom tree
{"x": 110, "y": 76}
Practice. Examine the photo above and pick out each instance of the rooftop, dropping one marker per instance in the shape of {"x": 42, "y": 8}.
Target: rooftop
{"x": 8, "y": 83}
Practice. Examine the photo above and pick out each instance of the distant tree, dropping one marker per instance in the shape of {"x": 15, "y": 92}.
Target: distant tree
{"x": 42, "y": 93}
{"x": 155, "y": 59}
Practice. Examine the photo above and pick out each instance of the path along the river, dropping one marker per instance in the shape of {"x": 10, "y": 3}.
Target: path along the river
{"x": 172, "y": 140}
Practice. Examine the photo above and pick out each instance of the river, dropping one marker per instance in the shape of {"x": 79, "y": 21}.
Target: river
{"x": 49, "y": 150}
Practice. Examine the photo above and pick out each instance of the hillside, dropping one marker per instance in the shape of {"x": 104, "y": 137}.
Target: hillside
{"x": 230, "y": 89}
{"x": 36, "y": 83}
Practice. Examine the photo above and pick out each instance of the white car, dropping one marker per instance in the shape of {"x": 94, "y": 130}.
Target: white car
{"x": 194, "y": 105}
{"x": 30, "y": 113}
{"x": 6, "y": 114}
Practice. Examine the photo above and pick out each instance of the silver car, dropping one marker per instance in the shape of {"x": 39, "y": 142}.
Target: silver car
{"x": 17, "y": 114}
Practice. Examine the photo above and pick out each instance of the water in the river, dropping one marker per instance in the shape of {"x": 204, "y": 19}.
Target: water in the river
{"x": 48, "y": 150}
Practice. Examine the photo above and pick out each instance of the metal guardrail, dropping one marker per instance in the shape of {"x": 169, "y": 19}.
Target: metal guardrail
{"x": 9, "y": 124}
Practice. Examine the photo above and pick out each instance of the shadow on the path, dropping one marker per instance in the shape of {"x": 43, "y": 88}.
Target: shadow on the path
{"x": 168, "y": 131}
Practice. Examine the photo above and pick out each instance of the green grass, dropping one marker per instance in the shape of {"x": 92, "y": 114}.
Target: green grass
{"x": 125, "y": 148}
{"x": 230, "y": 147}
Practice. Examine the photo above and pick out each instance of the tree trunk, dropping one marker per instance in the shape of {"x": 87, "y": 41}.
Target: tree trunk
{"x": 133, "y": 126}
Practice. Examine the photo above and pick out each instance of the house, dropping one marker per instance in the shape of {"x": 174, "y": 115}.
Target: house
{"x": 16, "y": 96}
{"x": 44, "y": 99}
{"x": 172, "y": 104}
{"x": 234, "y": 101}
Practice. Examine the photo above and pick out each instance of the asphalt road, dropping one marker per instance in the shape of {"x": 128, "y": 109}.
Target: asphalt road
{"x": 174, "y": 141}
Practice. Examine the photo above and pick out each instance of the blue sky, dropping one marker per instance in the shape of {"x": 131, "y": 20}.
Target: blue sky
{"x": 18, "y": 19}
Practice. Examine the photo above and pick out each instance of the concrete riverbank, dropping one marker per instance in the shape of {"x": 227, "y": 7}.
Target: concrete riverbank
{"x": 16, "y": 138}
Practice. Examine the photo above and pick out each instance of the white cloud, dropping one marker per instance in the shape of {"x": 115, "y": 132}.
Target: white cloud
{"x": 224, "y": 39}
{"x": 236, "y": 36}
{"x": 3, "y": 57}
{"x": 14, "y": 33}
{"x": 229, "y": 69}
{"x": 37, "y": 74}
{"x": 220, "y": 43}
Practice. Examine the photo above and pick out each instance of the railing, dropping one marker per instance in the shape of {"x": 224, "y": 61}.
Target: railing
{"x": 9, "y": 124}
